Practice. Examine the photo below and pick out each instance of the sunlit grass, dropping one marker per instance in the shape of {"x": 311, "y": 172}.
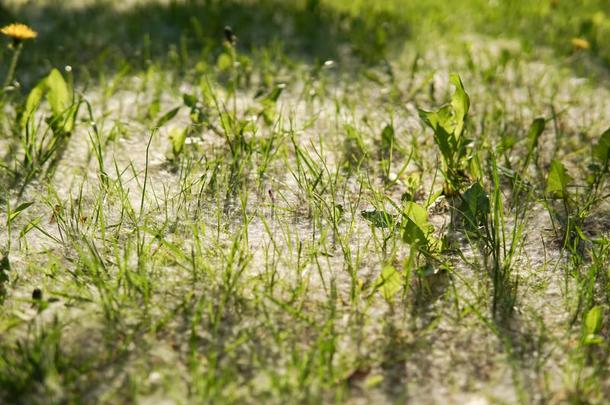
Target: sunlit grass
{"x": 312, "y": 201}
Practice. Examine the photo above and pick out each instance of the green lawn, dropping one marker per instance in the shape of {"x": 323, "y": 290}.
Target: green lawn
{"x": 321, "y": 201}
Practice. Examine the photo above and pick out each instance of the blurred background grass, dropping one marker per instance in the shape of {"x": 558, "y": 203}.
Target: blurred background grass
{"x": 98, "y": 35}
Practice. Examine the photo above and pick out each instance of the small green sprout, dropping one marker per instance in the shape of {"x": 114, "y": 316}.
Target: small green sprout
{"x": 449, "y": 126}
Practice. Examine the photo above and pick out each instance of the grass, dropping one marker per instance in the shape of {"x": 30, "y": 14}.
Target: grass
{"x": 311, "y": 201}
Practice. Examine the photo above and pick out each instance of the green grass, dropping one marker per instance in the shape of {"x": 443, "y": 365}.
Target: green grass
{"x": 354, "y": 201}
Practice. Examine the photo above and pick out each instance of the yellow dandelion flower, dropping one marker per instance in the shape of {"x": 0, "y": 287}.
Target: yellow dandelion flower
{"x": 580, "y": 43}
{"x": 19, "y": 32}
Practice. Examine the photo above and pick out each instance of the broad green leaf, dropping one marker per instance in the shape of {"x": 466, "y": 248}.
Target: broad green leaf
{"x": 17, "y": 211}
{"x": 416, "y": 226}
{"x": 443, "y": 129}
{"x": 60, "y": 100}
{"x": 475, "y": 205}
{"x": 59, "y": 97}
{"x": 592, "y": 326}
{"x": 189, "y": 100}
{"x": 33, "y": 101}
{"x": 593, "y": 320}
{"x": 413, "y": 234}
{"x": 167, "y": 117}
{"x": 417, "y": 214}
{"x": 389, "y": 282}
{"x": 601, "y": 151}
{"x": 593, "y": 339}
{"x": 441, "y": 119}
{"x": 460, "y": 103}
{"x": 70, "y": 118}
{"x": 177, "y": 137}
{"x": 448, "y": 124}
{"x": 558, "y": 179}
{"x": 379, "y": 219}
{"x": 59, "y": 94}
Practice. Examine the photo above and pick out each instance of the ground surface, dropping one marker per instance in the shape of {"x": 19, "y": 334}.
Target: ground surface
{"x": 186, "y": 218}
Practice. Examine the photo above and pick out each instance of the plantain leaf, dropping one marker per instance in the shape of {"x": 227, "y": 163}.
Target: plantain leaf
{"x": 417, "y": 214}
{"x": 33, "y": 101}
{"x": 442, "y": 125}
{"x": 177, "y": 137}
{"x": 558, "y": 179}
{"x": 475, "y": 205}
{"x": 189, "y": 100}
{"x": 592, "y": 326}
{"x": 416, "y": 227}
{"x": 389, "y": 282}
{"x": 413, "y": 234}
{"x": 460, "y": 101}
{"x": 593, "y": 320}
{"x": 59, "y": 94}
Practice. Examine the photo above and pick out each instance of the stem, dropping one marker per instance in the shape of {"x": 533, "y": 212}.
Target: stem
{"x": 12, "y": 67}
